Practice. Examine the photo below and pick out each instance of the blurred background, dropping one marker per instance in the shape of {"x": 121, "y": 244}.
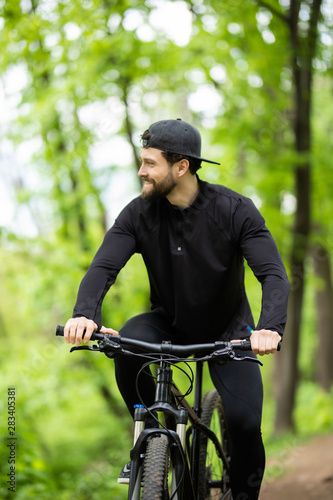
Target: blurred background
{"x": 79, "y": 82}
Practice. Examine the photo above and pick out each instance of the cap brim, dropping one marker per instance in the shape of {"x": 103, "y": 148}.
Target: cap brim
{"x": 209, "y": 161}
{"x": 190, "y": 156}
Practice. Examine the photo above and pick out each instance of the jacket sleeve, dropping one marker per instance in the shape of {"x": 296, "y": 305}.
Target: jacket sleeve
{"x": 118, "y": 246}
{"x": 260, "y": 251}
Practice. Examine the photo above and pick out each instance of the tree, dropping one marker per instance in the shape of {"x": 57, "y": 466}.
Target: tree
{"x": 324, "y": 301}
{"x": 321, "y": 248}
{"x": 303, "y": 41}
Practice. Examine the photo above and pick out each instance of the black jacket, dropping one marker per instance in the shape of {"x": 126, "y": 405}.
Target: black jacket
{"x": 195, "y": 262}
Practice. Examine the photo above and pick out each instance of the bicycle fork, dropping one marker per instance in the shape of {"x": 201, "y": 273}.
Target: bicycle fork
{"x": 177, "y": 439}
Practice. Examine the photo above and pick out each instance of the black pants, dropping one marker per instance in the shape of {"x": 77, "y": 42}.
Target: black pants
{"x": 238, "y": 383}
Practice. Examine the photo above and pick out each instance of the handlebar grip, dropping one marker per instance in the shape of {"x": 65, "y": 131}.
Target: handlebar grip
{"x": 245, "y": 345}
{"x": 60, "y": 333}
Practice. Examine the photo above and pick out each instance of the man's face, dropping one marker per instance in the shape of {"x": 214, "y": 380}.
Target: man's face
{"x": 156, "y": 174}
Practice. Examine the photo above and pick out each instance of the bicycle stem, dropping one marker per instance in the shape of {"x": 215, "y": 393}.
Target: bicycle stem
{"x": 163, "y": 383}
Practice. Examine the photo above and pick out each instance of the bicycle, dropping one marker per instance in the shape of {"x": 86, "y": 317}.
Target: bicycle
{"x": 174, "y": 460}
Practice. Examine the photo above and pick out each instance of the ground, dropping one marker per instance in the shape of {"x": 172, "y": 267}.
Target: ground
{"x": 308, "y": 472}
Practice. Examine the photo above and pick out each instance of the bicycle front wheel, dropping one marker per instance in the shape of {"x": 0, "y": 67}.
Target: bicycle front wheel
{"x": 213, "y": 480}
{"x": 155, "y": 469}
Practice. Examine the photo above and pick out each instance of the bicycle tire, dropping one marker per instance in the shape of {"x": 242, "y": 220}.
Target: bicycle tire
{"x": 211, "y": 466}
{"x": 155, "y": 469}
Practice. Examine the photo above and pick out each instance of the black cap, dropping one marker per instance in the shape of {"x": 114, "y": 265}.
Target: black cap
{"x": 177, "y": 137}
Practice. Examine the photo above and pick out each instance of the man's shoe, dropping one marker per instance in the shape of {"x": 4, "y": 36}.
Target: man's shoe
{"x": 125, "y": 473}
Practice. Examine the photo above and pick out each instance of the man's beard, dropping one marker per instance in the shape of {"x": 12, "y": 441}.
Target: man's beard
{"x": 158, "y": 190}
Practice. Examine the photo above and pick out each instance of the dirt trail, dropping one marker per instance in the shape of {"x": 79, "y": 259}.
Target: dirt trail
{"x": 309, "y": 472}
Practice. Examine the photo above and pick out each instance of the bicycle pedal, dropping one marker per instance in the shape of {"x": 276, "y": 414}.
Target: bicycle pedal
{"x": 125, "y": 473}
{"x": 124, "y": 476}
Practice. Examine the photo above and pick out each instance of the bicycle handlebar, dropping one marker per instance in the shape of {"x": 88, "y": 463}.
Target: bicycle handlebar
{"x": 166, "y": 347}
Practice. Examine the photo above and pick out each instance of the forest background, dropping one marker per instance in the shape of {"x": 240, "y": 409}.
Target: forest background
{"x": 80, "y": 81}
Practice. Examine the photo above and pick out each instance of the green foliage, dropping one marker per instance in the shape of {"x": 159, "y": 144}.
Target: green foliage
{"x": 77, "y": 57}
{"x": 314, "y": 411}
{"x": 63, "y": 421}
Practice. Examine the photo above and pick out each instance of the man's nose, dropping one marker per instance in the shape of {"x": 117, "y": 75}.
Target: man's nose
{"x": 142, "y": 171}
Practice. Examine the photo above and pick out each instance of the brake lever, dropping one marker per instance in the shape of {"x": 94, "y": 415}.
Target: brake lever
{"x": 107, "y": 346}
{"x": 85, "y": 348}
{"x": 229, "y": 353}
{"x": 248, "y": 358}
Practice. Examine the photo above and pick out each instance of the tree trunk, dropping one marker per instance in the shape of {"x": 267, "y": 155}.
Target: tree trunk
{"x": 324, "y": 307}
{"x": 287, "y": 360}
{"x": 303, "y": 49}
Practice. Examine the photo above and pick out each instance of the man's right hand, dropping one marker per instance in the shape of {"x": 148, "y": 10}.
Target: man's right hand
{"x": 77, "y": 329}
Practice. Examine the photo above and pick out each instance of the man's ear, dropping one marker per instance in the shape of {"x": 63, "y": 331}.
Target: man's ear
{"x": 182, "y": 167}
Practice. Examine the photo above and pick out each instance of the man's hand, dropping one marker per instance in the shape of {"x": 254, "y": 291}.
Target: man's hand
{"x": 264, "y": 341}
{"x": 77, "y": 329}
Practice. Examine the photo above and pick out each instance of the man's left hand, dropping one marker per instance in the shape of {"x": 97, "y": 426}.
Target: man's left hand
{"x": 264, "y": 341}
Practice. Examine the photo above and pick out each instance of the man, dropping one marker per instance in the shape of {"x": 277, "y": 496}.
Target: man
{"x": 193, "y": 237}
